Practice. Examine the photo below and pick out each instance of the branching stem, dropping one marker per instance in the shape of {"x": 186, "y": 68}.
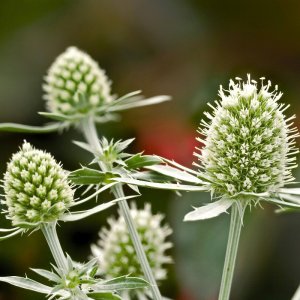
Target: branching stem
{"x": 90, "y": 133}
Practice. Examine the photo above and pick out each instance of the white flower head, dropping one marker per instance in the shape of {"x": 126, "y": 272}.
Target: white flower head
{"x": 256, "y": 152}
{"x": 36, "y": 188}
{"x": 75, "y": 84}
{"x": 116, "y": 254}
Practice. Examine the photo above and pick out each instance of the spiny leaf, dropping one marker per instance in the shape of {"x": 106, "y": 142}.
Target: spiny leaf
{"x": 86, "y": 176}
{"x": 208, "y": 211}
{"x": 139, "y": 161}
{"x": 103, "y": 296}
{"x": 121, "y": 283}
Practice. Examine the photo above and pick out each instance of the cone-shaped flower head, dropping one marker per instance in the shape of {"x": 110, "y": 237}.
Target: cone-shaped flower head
{"x": 249, "y": 143}
{"x": 75, "y": 84}
{"x": 36, "y": 188}
{"x": 116, "y": 253}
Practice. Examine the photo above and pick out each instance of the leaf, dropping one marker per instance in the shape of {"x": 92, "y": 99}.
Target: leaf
{"x": 61, "y": 117}
{"x": 86, "y": 176}
{"x": 163, "y": 186}
{"x": 179, "y": 166}
{"x": 293, "y": 191}
{"x": 85, "y": 146}
{"x": 175, "y": 173}
{"x": 121, "y": 283}
{"x": 282, "y": 203}
{"x": 16, "y": 232}
{"x": 292, "y": 198}
{"x": 139, "y": 161}
{"x": 107, "y": 186}
{"x": 151, "y": 176}
{"x": 208, "y": 211}
{"x": 47, "y": 274}
{"x": 139, "y": 103}
{"x": 12, "y": 127}
{"x": 103, "y": 296}
{"x": 78, "y": 215}
{"x": 27, "y": 283}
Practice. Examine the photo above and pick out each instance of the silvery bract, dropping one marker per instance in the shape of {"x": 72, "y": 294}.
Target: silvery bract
{"x": 115, "y": 251}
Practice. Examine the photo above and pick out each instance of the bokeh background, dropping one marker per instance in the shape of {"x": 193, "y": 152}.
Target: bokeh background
{"x": 184, "y": 48}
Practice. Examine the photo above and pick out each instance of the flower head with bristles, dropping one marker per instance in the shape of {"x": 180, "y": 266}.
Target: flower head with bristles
{"x": 248, "y": 142}
{"x": 75, "y": 84}
{"x": 116, "y": 254}
{"x": 36, "y": 188}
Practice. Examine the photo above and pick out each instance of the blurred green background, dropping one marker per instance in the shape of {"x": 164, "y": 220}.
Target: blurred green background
{"x": 184, "y": 48}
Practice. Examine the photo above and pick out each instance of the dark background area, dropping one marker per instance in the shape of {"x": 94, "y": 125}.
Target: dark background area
{"x": 183, "y": 48}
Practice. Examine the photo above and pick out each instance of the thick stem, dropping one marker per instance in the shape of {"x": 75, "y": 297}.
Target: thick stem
{"x": 231, "y": 252}
{"x": 90, "y": 133}
{"x": 297, "y": 294}
{"x": 49, "y": 231}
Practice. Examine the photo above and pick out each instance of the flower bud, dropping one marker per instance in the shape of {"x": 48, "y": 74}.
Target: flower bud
{"x": 36, "y": 188}
{"x": 249, "y": 143}
{"x": 75, "y": 84}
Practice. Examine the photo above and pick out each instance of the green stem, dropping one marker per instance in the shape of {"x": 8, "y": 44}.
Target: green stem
{"x": 297, "y": 294}
{"x": 231, "y": 252}
{"x": 90, "y": 133}
{"x": 49, "y": 231}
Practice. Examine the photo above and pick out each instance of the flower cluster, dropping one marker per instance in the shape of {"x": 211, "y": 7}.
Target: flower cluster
{"x": 75, "y": 84}
{"x": 36, "y": 188}
{"x": 249, "y": 143}
{"x": 115, "y": 251}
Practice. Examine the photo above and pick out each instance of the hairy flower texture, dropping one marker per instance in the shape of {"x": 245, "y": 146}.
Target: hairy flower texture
{"x": 75, "y": 84}
{"x": 249, "y": 143}
{"x": 115, "y": 251}
{"x": 36, "y": 188}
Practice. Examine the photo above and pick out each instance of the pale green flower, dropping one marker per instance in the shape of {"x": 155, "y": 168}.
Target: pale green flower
{"x": 36, "y": 188}
{"x": 248, "y": 142}
{"x": 116, "y": 254}
{"x": 76, "y": 84}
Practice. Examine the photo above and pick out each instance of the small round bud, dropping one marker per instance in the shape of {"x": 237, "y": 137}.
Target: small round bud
{"x": 75, "y": 84}
{"x": 249, "y": 143}
{"x": 116, "y": 253}
{"x": 30, "y": 185}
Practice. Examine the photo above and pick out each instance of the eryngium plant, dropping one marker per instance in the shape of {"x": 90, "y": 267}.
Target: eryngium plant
{"x": 36, "y": 188}
{"x": 116, "y": 254}
{"x": 247, "y": 156}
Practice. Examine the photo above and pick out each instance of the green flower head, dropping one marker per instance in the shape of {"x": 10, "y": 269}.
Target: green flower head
{"x": 36, "y": 188}
{"x": 248, "y": 141}
{"x": 116, "y": 253}
{"x": 75, "y": 84}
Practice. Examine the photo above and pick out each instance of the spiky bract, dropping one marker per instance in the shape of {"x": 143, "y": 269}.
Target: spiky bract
{"x": 249, "y": 143}
{"x": 36, "y": 188}
{"x": 75, "y": 84}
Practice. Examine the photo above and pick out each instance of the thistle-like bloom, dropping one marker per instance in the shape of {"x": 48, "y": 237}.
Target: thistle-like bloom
{"x": 116, "y": 254}
{"x": 249, "y": 143}
{"x": 76, "y": 84}
{"x": 36, "y": 188}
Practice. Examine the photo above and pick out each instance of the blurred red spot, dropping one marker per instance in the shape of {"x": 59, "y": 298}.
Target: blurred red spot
{"x": 169, "y": 139}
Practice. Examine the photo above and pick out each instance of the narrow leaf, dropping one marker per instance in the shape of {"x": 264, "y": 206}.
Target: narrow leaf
{"x": 208, "y": 211}
{"x": 86, "y": 176}
{"x": 139, "y": 161}
{"x": 122, "y": 283}
{"x": 11, "y": 234}
{"x": 60, "y": 117}
{"x": 27, "y": 283}
{"x": 282, "y": 203}
{"x": 164, "y": 186}
{"x": 293, "y": 191}
{"x": 47, "y": 274}
{"x": 11, "y": 127}
{"x": 139, "y": 103}
{"x": 75, "y": 216}
{"x": 175, "y": 173}
{"x": 103, "y": 296}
